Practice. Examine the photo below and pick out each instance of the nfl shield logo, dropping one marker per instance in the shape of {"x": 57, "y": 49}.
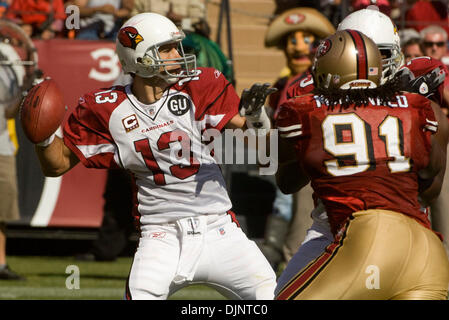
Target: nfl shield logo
{"x": 222, "y": 231}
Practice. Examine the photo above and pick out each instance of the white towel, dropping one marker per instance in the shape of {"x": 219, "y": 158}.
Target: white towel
{"x": 193, "y": 231}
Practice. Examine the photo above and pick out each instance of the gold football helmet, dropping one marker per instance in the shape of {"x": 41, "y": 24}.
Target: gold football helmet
{"x": 347, "y": 60}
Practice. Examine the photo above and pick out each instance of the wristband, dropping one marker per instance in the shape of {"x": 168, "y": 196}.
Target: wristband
{"x": 50, "y": 139}
{"x": 259, "y": 121}
{"x": 47, "y": 141}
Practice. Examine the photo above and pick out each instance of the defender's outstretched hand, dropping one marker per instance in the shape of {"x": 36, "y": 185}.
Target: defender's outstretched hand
{"x": 426, "y": 85}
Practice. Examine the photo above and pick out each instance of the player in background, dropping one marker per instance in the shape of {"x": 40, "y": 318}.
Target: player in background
{"x": 153, "y": 127}
{"x": 382, "y": 31}
{"x": 18, "y": 66}
{"x": 368, "y": 149}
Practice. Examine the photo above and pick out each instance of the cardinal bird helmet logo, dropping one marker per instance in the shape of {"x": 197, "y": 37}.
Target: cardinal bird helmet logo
{"x": 129, "y": 37}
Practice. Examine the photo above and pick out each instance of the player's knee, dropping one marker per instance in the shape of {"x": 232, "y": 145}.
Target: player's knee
{"x": 144, "y": 294}
{"x": 265, "y": 291}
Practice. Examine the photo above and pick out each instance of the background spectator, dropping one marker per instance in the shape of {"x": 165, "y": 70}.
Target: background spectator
{"x": 333, "y": 10}
{"x": 101, "y": 19}
{"x": 408, "y": 33}
{"x": 412, "y": 49}
{"x": 383, "y": 5}
{"x": 184, "y": 13}
{"x": 434, "y": 41}
{"x": 9, "y": 209}
{"x": 4, "y": 4}
{"x": 284, "y": 5}
{"x": 423, "y": 13}
{"x": 39, "y": 19}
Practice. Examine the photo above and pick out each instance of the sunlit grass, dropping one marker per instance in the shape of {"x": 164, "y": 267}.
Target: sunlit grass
{"x": 46, "y": 278}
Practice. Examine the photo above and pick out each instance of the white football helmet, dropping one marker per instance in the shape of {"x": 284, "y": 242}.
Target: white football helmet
{"x": 138, "y": 43}
{"x": 383, "y": 32}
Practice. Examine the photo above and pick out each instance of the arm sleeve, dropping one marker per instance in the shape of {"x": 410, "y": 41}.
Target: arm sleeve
{"x": 88, "y": 136}
{"x": 218, "y": 102}
{"x": 288, "y": 122}
{"x": 428, "y": 119}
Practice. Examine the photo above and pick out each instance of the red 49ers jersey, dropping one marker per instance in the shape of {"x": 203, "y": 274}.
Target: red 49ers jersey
{"x": 300, "y": 85}
{"x": 161, "y": 143}
{"x": 362, "y": 158}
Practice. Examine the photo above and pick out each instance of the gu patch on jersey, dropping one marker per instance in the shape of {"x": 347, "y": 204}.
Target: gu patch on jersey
{"x": 130, "y": 123}
{"x": 179, "y": 104}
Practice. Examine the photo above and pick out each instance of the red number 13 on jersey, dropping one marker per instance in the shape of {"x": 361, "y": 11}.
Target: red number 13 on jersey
{"x": 177, "y": 170}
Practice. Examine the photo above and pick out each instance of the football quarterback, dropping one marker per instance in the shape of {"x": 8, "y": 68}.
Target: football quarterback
{"x": 153, "y": 128}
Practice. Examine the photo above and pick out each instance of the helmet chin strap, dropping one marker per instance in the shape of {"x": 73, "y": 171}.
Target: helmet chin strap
{"x": 170, "y": 79}
{"x": 167, "y": 78}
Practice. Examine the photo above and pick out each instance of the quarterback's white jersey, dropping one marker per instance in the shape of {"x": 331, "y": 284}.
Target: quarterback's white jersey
{"x": 161, "y": 144}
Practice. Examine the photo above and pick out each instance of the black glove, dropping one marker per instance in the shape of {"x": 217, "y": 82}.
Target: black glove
{"x": 253, "y": 99}
{"x": 252, "y": 106}
{"x": 426, "y": 85}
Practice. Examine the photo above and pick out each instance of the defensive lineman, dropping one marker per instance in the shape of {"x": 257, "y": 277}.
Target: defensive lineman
{"x": 369, "y": 151}
{"x": 369, "y": 21}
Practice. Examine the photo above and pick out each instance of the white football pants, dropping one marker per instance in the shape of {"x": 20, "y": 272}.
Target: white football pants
{"x": 209, "y": 250}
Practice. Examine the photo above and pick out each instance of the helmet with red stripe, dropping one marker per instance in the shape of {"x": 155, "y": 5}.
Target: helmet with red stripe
{"x": 347, "y": 60}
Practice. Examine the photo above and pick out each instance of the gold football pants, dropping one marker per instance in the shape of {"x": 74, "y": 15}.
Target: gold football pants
{"x": 380, "y": 255}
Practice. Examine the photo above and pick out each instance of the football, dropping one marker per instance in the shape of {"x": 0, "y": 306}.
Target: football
{"x": 42, "y": 111}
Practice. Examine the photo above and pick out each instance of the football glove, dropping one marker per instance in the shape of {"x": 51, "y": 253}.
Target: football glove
{"x": 252, "y": 106}
{"x": 426, "y": 85}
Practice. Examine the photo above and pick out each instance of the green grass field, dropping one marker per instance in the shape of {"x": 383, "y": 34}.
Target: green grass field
{"x": 46, "y": 279}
